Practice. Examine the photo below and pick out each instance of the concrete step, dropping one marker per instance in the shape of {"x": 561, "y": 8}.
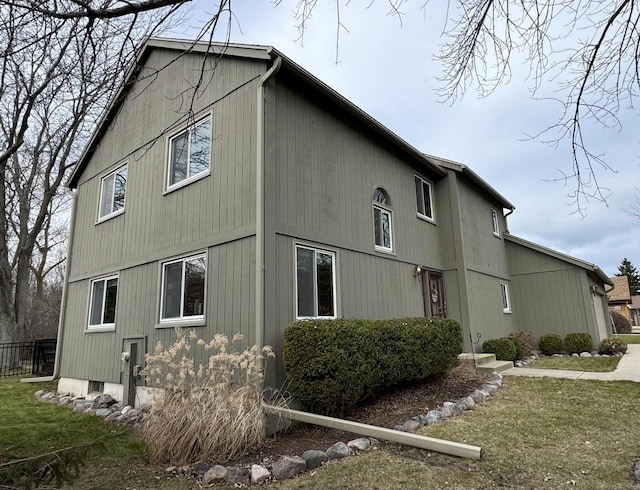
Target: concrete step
{"x": 468, "y": 357}
{"x": 484, "y": 363}
{"x": 494, "y": 366}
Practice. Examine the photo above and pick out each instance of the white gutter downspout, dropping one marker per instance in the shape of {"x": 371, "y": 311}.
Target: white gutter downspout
{"x": 416, "y": 440}
{"x": 260, "y": 239}
{"x": 65, "y": 294}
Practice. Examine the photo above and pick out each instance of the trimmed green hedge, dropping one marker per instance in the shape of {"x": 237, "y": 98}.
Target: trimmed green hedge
{"x": 332, "y": 365}
{"x": 504, "y": 348}
{"x": 550, "y": 344}
{"x": 577, "y": 343}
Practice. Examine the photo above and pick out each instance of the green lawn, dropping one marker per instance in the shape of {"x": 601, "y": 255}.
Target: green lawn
{"x": 593, "y": 364}
{"x": 535, "y": 433}
{"x": 633, "y": 338}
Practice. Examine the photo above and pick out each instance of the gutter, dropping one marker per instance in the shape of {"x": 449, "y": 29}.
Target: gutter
{"x": 424, "y": 442}
{"x": 260, "y": 196}
{"x": 65, "y": 294}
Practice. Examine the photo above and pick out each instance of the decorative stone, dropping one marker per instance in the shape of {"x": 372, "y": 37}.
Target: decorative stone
{"x": 215, "y": 474}
{"x": 575, "y": 355}
{"x": 259, "y": 474}
{"x": 557, "y": 355}
{"x": 105, "y": 400}
{"x": 360, "y": 444}
{"x": 103, "y": 412}
{"x": 480, "y": 396}
{"x": 126, "y": 409}
{"x": 39, "y": 393}
{"x": 289, "y": 466}
{"x": 235, "y": 475}
{"x": 446, "y": 412}
{"x": 585, "y": 354}
{"x": 495, "y": 377}
{"x": 466, "y": 403}
{"x": 170, "y": 469}
{"x": 636, "y": 471}
{"x": 400, "y": 427}
{"x": 65, "y": 400}
{"x": 421, "y": 419}
{"x": 490, "y": 387}
{"x": 314, "y": 458}
{"x": 434, "y": 417}
{"x": 374, "y": 441}
{"x": 113, "y": 416}
{"x": 452, "y": 407}
{"x": 338, "y": 451}
{"x": 411, "y": 426}
{"x": 48, "y": 396}
{"x": 80, "y": 408}
{"x": 200, "y": 468}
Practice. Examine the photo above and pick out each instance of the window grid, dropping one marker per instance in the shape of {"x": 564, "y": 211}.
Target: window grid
{"x": 189, "y": 154}
{"x": 315, "y": 283}
{"x": 382, "y": 221}
{"x": 506, "y": 302}
{"x": 424, "y": 198}
{"x": 102, "y": 302}
{"x": 495, "y": 222}
{"x": 183, "y": 299}
{"x": 112, "y": 193}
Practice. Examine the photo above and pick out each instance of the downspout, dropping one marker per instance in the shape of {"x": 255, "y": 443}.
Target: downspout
{"x": 506, "y": 223}
{"x": 65, "y": 294}
{"x": 260, "y": 196}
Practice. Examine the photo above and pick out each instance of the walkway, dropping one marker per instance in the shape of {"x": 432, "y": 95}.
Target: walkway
{"x": 628, "y": 370}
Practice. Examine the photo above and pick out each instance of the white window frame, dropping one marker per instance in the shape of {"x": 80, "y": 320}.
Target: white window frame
{"x": 383, "y": 211}
{"x": 420, "y": 215}
{"x": 506, "y": 300}
{"x": 102, "y": 326}
{"x": 315, "y": 281}
{"x": 495, "y": 222}
{"x": 117, "y": 212}
{"x": 190, "y": 178}
{"x": 182, "y": 318}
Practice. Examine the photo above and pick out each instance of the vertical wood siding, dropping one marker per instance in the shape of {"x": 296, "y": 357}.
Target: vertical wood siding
{"x": 548, "y": 294}
{"x": 152, "y": 222}
{"x": 230, "y": 309}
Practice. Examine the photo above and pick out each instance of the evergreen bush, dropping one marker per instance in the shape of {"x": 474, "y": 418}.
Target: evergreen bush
{"x": 621, "y": 323}
{"x": 576, "y": 343}
{"x": 504, "y": 348}
{"x": 550, "y": 344}
{"x": 331, "y": 365}
{"x": 612, "y": 346}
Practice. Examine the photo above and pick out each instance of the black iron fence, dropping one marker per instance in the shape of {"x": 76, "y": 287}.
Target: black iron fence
{"x": 28, "y": 358}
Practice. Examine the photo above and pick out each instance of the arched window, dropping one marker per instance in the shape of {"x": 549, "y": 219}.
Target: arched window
{"x": 382, "y": 225}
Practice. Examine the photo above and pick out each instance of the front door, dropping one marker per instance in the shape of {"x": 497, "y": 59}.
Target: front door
{"x": 433, "y": 294}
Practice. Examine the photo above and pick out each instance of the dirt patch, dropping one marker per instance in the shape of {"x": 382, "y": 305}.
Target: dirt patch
{"x": 392, "y": 408}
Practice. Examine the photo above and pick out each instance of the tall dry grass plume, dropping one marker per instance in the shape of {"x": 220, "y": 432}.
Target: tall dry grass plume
{"x": 209, "y": 410}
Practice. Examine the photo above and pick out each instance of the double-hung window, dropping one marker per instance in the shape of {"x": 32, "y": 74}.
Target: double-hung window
{"x": 183, "y": 289}
{"x": 424, "y": 200}
{"x": 102, "y": 303}
{"x": 112, "y": 192}
{"x": 495, "y": 222}
{"x": 506, "y": 302}
{"x": 190, "y": 153}
{"x": 382, "y": 224}
{"x": 315, "y": 283}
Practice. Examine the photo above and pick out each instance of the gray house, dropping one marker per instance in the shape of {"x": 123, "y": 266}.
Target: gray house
{"x": 263, "y": 196}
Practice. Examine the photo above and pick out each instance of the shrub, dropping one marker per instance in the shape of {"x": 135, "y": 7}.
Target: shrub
{"x": 621, "y": 323}
{"x": 550, "y": 344}
{"x": 528, "y": 341}
{"x": 612, "y": 346}
{"x": 210, "y": 410}
{"x": 576, "y": 343}
{"x": 332, "y": 365}
{"x": 504, "y": 348}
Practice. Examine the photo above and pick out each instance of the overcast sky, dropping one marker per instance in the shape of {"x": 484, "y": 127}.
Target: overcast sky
{"x": 389, "y": 71}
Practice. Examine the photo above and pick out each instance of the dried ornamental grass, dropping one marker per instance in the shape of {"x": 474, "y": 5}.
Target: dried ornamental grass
{"x": 210, "y": 410}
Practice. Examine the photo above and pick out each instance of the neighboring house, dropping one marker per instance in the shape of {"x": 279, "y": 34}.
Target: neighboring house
{"x": 620, "y": 296}
{"x": 634, "y": 308}
{"x": 277, "y": 199}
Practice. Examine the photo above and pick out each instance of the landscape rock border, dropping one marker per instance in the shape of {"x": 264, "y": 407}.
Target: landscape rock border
{"x": 285, "y": 467}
